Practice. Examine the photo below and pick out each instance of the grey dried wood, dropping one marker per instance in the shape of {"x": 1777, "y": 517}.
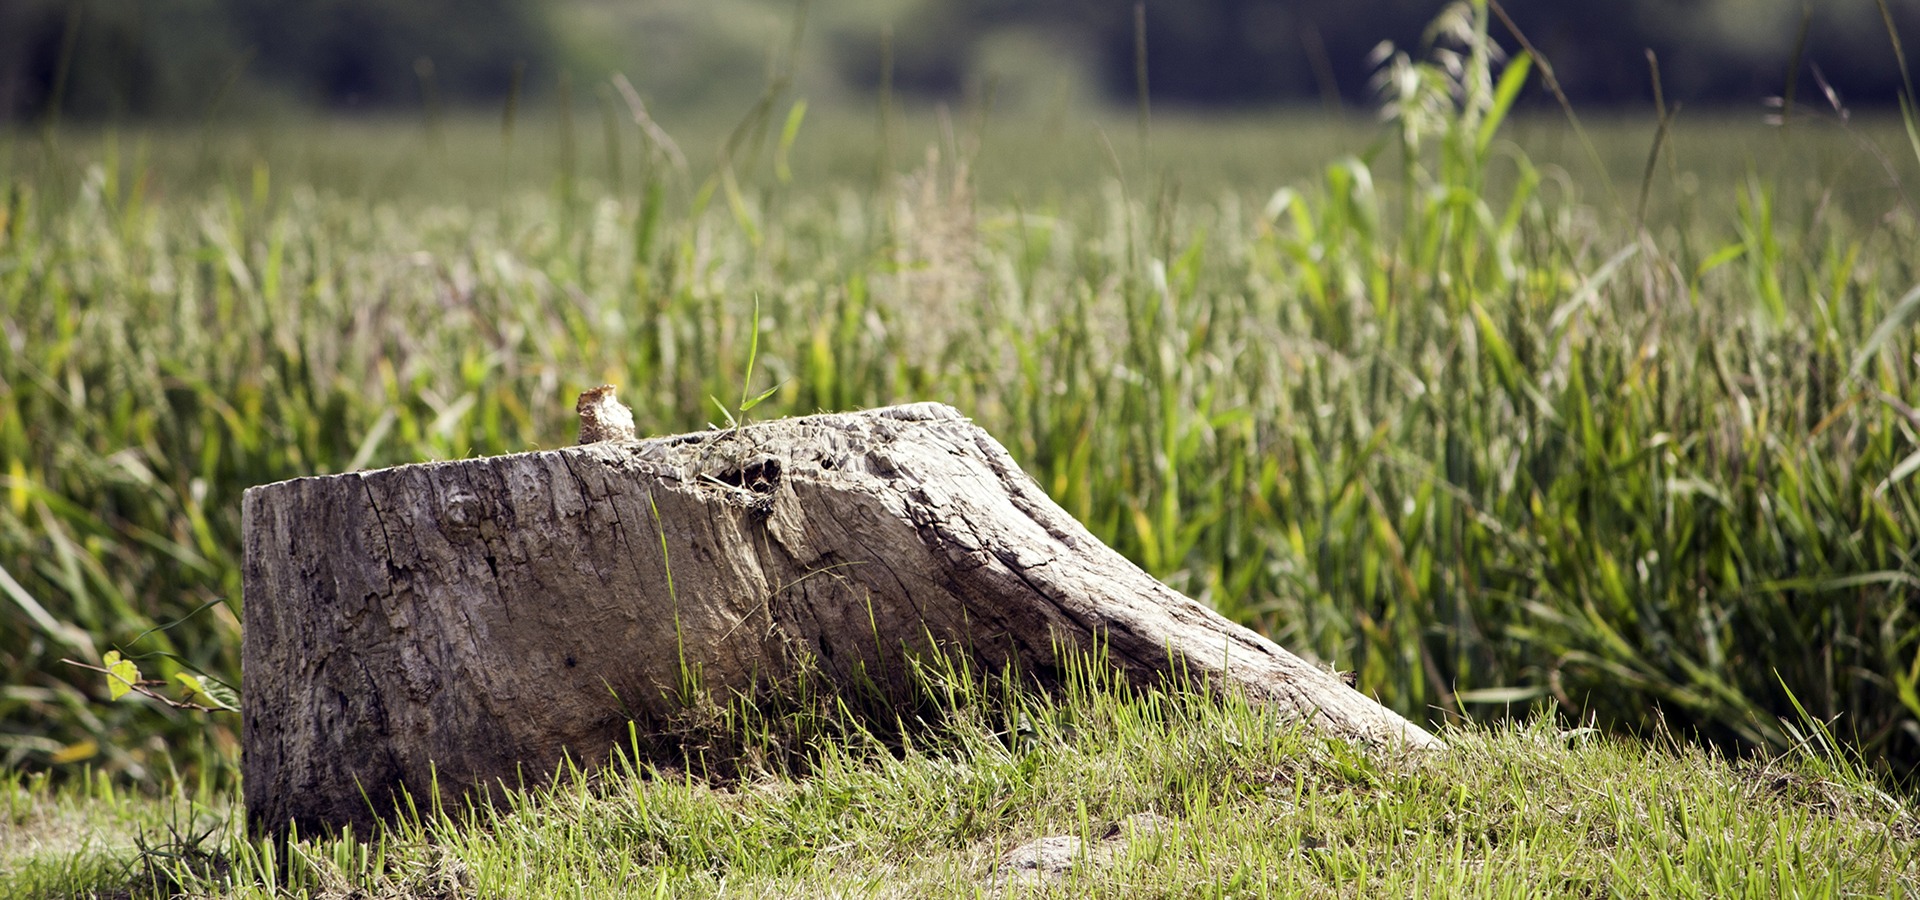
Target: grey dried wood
{"x": 470, "y": 622}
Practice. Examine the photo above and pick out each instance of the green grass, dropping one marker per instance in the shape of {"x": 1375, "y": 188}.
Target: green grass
{"x": 1428, "y": 401}
{"x": 1242, "y": 805}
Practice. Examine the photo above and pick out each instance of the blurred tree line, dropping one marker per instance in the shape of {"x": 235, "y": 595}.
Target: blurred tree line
{"x": 1254, "y": 52}
{"x": 97, "y": 58}
{"x": 198, "y": 57}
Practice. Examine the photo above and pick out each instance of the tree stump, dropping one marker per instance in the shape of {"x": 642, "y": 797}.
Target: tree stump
{"x": 462, "y": 623}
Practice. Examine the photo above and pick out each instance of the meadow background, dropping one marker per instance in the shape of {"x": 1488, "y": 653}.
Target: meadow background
{"x": 1504, "y": 409}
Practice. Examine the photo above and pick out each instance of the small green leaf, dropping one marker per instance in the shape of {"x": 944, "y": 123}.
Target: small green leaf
{"x": 203, "y": 692}
{"x": 753, "y": 353}
{"x": 1720, "y": 258}
{"x": 1511, "y": 81}
{"x": 122, "y": 674}
{"x": 755, "y": 399}
{"x": 787, "y": 135}
{"x": 221, "y": 695}
{"x": 724, "y": 411}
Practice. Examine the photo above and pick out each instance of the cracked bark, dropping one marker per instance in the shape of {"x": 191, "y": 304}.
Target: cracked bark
{"x": 475, "y": 621}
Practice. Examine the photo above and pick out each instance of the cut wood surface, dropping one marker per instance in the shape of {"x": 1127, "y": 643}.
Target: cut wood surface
{"x": 470, "y": 622}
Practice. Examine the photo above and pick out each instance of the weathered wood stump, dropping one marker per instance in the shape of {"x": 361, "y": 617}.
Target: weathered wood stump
{"x": 474, "y": 621}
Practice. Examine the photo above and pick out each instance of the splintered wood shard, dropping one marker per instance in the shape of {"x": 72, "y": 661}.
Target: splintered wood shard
{"x": 470, "y": 622}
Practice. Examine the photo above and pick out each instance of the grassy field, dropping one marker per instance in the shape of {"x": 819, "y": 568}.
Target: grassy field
{"x": 1504, "y": 417}
{"x": 1154, "y": 795}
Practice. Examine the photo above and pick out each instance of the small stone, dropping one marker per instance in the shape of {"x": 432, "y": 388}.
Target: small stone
{"x": 1045, "y": 856}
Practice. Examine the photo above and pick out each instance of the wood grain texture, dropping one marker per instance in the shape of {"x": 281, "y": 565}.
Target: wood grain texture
{"x": 474, "y": 621}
